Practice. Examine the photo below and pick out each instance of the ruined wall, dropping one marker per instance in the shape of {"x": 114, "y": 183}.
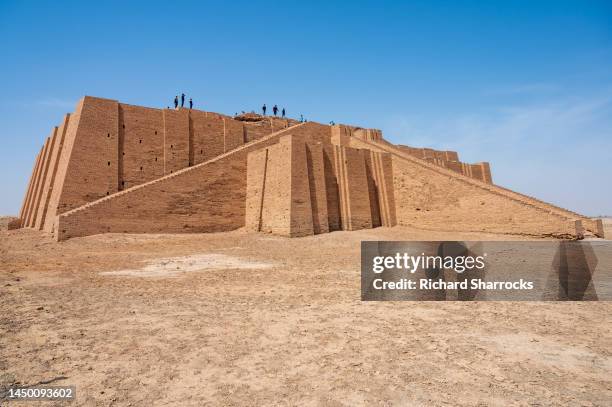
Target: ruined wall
{"x": 430, "y": 200}
{"x": 450, "y": 159}
{"x": 430, "y": 153}
{"x": 256, "y": 130}
{"x": 604, "y": 228}
{"x": 534, "y": 206}
{"x": 368, "y": 134}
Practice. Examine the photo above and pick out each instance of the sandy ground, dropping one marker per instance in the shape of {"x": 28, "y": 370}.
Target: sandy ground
{"x": 4, "y": 221}
{"x": 252, "y": 319}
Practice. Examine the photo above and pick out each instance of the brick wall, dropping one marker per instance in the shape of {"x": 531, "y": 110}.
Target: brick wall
{"x": 208, "y": 197}
{"x": 176, "y": 140}
{"x": 233, "y": 134}
{"x": 42, "y": 172}
{"x": 117, "y": 167}
{"x": 315, "y": 167}
{"x": 27, "y": 204}
{"x": 285, "y": 191}
{"x": 535, "y": 206}
{"x": 141, "y": 145}
{"x": 380, "y": 184}
{"x": 429, "y": 200}
{"x": 92, "y": 168}
{"x": 268, "y": 198}
{"x": 293, "y": 189}
{"x": 450, "y": 159}
{"x": 106, "y": 146}
{"x": 355, "y": 211}
{"x": 60, "y": 134}
{"x": 208, "y": 136}
{"x": 53, "y": 208}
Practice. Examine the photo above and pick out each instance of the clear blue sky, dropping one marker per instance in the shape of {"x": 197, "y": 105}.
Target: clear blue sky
{"x": 526, "y": 85}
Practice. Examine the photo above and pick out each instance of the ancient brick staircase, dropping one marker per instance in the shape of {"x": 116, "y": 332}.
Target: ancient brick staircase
{"x": 587, "y": 223}
{"x": 177, "y": 173}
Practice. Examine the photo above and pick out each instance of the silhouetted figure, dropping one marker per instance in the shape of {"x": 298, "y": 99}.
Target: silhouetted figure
{"x": 301, "y": 118}
{"x": 332, "y": 123}
{"x": 283, "y": 112}
{"x": 275, "y": 110}
{"x": 182, "y": 100}
{"x": 176, "y": 102}
{"x": 190, "y": 103}
{"x": 263, "y": 109}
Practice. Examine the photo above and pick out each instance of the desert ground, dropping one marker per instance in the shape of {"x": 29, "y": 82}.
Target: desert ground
{"x": 253, "y": 319}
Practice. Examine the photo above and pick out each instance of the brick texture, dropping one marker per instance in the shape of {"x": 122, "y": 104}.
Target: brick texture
{"x": 114, "y": 167}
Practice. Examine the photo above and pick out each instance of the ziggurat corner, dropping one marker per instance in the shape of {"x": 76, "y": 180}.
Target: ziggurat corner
{"x": 113, "y": 167}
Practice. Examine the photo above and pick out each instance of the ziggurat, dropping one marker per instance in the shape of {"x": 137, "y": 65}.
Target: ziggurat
{"x": 113, "y": 167}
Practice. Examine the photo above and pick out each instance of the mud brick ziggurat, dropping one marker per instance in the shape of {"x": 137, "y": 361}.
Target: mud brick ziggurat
{"x": 113, "y": 167}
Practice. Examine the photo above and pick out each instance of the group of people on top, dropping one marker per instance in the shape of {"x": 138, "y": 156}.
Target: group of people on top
{"x": 264, "y": 108}
{"x": 274, "y": 110}
{"x": 176, "y": 101}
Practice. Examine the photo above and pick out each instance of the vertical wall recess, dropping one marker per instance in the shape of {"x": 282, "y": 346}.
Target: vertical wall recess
{"x": 190, "y": 146}
{"x": 120, "y": 147}
{"x": 292, "y": 189}
{"x": 316, "y": 181}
